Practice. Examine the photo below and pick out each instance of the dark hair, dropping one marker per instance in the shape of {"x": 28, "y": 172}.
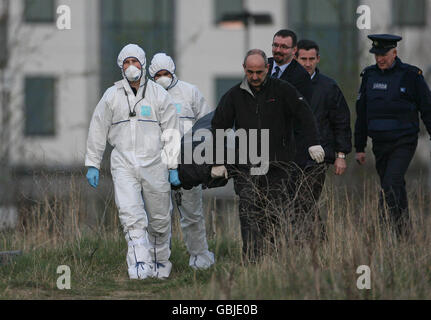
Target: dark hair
{"x": 256, "y": 51}
{"x": 307, "y": 45}
{"x": 284, "y": 33}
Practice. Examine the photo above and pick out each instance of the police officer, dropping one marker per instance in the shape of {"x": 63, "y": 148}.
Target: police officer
{"x": 391, "y": 95}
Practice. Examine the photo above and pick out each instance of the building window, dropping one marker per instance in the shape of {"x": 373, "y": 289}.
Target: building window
{"x": 222, "y": 7}
{"x": 223, "y": 84}
{"x": 39, "y": 106}
{"x": 332, "y": 24}
{"x": 39, "y": 11}
{"x": 3, "y": 40}
{"x": 148, "y": 23}
{"x": 409, "y": 13}
{"x": 314, "y": 13}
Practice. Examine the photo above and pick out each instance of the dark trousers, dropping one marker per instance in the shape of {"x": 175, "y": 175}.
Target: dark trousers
{"x": 392, "y": 161}
{"x": 309, "y": 183}
{"x": 263, "y": 208}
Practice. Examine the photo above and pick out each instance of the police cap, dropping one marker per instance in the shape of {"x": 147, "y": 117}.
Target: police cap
{"x": 382, "y": 43}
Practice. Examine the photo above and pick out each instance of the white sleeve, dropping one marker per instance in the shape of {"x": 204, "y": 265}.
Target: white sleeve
{"x": 171, "y": 136}
{"x": 200, "y": 105}
{"x": 98, "y": 133}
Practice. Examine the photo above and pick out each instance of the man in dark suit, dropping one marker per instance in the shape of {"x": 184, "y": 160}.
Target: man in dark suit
{"x": 329, "y": 108}
{"x": 283, "y": 65}
{"x": 333, "y": 119}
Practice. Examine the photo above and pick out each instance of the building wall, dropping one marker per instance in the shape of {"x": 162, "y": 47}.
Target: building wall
{"x": 205, "y": 51}
{"x": 71, "y": 56}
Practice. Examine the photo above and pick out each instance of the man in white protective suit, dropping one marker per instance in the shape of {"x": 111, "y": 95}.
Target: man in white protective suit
{"x": 191, "y": 106}
{"x": 138, "y": 118}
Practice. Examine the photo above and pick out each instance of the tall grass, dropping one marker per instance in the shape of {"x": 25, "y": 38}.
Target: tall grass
{"x": 400, "y": 266}
{"x": 59, "y": 230}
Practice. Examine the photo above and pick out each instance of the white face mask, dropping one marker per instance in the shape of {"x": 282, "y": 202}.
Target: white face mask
{"x": 165, "y": 82}
{"x": 133, "y": 74}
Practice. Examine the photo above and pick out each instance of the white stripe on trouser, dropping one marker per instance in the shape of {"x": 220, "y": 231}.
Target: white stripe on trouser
{"x": 193, "y": 221}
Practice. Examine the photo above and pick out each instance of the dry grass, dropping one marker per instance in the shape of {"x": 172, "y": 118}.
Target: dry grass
{"x": 55, "y": 231}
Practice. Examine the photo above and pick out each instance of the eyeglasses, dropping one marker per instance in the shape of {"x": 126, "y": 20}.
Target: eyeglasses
{"x": 284, "y": 47}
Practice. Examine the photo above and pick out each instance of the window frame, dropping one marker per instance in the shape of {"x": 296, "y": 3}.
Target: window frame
{"x": 216, "y": 17}
{"x": 397, "y": 11}
{"x": 115, "y": 33}
{"x": 38, "y": 20}
{"x": 52, "y": 132}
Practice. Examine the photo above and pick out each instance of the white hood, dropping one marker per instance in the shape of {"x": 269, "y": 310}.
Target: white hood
{"x": 132, "y": 51}
{"x": 161, "y": 61}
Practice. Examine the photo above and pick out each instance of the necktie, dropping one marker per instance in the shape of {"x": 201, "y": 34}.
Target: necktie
{"x": 276, "y": 74}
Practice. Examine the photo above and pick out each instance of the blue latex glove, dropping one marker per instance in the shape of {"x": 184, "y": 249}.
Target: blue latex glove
{"x": 93, "y": 176}
{"x": 173, "y": 178}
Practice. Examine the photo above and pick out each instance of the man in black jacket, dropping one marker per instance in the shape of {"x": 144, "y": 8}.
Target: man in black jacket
{"x": 333, "y": 120}
{"x": 261, "y": 102}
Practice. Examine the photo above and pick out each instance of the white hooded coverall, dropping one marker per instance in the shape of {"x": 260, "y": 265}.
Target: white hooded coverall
{"x": 191, "y": 106}
{"x": 139, "y": 165}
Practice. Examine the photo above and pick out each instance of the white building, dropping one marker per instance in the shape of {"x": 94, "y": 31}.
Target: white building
{"x": 54, "y": 78}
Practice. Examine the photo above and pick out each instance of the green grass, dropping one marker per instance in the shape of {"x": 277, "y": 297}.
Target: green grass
{"x": 98, "y": 271}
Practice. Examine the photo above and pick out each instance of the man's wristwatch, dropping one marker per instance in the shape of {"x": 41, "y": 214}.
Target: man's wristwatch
{"x": 341, "y": 155}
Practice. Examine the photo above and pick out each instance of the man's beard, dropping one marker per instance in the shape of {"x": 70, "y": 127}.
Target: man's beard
{"x": 278, "y": 59}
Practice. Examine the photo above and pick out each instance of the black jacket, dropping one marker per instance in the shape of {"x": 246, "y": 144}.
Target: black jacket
{"x": 275, "y": 107}
{"x": 297, "y": 76}
{"x": 333, "y": 119}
